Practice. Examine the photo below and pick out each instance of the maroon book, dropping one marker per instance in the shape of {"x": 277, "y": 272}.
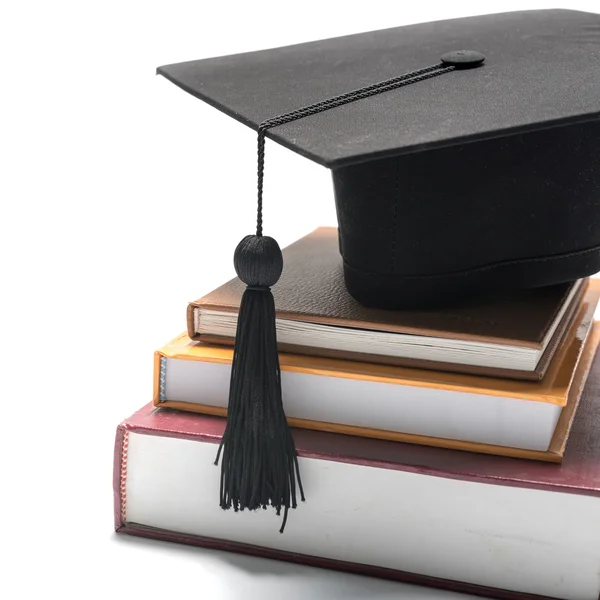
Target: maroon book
{"x": 488, "y": 525}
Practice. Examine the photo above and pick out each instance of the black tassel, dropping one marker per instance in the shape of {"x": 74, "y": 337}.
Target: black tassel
{"x": 260, "y": 465}
{"x": 259, "y": 462}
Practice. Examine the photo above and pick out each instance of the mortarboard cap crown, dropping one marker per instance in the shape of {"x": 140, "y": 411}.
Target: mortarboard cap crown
{"x": 482, "y": 178}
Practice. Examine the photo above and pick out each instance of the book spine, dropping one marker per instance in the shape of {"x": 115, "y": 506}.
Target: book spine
{"x": 120, "y": 477}
{"x": 191, "y": 321}
{"x": 159, "y": 379}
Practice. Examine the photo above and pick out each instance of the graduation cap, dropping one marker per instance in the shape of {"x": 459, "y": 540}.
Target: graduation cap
{"x": 465, "y": 157}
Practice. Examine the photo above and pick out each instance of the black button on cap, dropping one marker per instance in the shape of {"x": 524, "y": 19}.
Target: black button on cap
{"x": 463, "y": 59}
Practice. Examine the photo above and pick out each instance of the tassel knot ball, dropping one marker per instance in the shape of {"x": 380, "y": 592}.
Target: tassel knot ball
{"x": 258, "y": 261}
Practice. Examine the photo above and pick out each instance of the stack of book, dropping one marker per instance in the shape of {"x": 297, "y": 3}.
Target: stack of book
{"x": 456, "y": 448}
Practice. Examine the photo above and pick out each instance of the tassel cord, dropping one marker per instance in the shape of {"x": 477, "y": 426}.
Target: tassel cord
{"x": 318, "y": 107}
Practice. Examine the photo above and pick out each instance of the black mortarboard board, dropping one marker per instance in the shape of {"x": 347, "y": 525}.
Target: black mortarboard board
{"x": 487, "y": 177}
{"x": 451, "y": 176}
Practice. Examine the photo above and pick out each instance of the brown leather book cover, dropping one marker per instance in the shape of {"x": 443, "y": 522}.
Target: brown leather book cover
{"x": 312, "y": 289}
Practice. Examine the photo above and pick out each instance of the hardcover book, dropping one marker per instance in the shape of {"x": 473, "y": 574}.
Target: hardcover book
{"x": 499, "y": 416}
{"x": 509, "y": 335}
{"x": 470, "y": 522}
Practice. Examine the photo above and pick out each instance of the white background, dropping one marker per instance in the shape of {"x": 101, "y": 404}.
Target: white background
{"x": 122, "y": 198}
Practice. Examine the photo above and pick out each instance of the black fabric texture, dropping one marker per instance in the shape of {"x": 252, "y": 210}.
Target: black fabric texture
{"x": 473, "y": 181}
{"x": 541, "y": 68}
{"x": 472, "y": 216}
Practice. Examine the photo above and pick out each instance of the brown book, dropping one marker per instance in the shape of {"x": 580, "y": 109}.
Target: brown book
{"x": 508, "y": 335}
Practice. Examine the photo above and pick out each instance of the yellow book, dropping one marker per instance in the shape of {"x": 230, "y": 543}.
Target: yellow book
{"x": 527, "y": 419}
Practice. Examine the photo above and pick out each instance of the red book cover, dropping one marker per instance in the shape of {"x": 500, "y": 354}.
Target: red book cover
{"x": 578, "y": 475}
